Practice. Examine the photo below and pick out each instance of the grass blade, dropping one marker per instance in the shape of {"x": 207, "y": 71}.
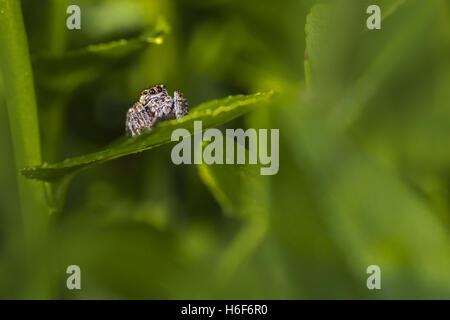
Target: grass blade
{"x": 21, "y": 103}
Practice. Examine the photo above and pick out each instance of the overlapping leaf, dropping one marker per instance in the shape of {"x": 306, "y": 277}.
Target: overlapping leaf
{"x": 63, "y": 73}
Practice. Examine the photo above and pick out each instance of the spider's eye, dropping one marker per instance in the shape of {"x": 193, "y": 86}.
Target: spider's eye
{"x": 145, "y": 92}
{"x": 163, "y": 86}
{"x": 152, "y": 91}
{"x": 159, "y": 89}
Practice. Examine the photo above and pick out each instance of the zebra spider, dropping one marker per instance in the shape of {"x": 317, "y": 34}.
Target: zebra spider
{"x": 154, "y": 105}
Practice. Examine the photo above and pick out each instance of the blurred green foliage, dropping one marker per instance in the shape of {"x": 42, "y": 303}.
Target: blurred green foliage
{"x": 364, "y": 151}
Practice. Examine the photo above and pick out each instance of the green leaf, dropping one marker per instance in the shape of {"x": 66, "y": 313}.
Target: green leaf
{"x": 64, "y": 72}
{"x": 360, "y": 201}
{"x": 320, "y": 29}
{"x": 241, "y": 193}
{"x": 113, "y": 49}
{"x": 244, "y": 195}
{"x": 391, "y": 54}
{"x": 228, "y": 183}
{"x": 388, "y": 7}
{"x": 327, "y": 52}
{"x": 211, "y": 113}
{"x": 316, "y": 29}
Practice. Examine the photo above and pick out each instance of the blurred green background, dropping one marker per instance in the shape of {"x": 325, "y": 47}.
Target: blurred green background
{"x": 364, "y": 119}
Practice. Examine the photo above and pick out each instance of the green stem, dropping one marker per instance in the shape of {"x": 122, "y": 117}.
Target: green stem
{"x": 55, "y": 107}
{"x": 57, "y": 30}
{"x": 20, "y": 99}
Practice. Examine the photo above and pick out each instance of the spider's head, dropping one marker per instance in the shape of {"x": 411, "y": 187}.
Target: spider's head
{"x": 154, "y": 91}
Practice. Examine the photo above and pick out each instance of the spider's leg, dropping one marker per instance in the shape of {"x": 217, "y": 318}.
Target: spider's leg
{"x": 137, "y": 122}
{"x": 180, "y": 105}
{"x": 152, "y": 123}
{"x": 144, "y": 116}
{"x": 129, "y": 127}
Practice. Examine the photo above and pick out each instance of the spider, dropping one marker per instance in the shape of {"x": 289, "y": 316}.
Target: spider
{"x": 154, "y": 105}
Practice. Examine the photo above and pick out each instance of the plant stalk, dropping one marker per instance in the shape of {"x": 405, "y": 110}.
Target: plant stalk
{"x": 20, "y": 98}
